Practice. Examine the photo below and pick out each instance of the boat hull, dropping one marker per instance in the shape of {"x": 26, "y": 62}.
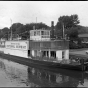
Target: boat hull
{"x": 48, "y": 64}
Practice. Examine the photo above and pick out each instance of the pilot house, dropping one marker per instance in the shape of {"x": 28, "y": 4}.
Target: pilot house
{"x": 40, "y": 35}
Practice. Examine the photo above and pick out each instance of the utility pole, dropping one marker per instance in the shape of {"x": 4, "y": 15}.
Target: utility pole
{"x": 11, "y": 29}
{"x": 63, "y": 32}
{"x": 36, "y": 20}
{"x": 36, "y": 23}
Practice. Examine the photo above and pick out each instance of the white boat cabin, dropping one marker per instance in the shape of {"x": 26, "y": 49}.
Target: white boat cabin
{"x": 40, "y": 34}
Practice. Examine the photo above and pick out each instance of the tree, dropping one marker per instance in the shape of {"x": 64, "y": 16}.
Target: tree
{"x": 30, "y": 26}
{"x": 71, "y": 28}
{"x": 20, "y": 29}
{"x": 1, "y": 35}
{"x": 4, "y": 33}
{"x": 5, "y": 30}
{"x": 68, "y": 22}
{"x": 41, "y": 25}
{"x": 72, "y": 33}
{"x": 14, "y": 27}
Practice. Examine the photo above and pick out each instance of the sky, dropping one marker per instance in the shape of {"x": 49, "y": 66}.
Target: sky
{"x": 41, "y": 11}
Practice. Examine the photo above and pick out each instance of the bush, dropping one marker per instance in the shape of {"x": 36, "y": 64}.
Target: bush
{"x": 74, "y": 46}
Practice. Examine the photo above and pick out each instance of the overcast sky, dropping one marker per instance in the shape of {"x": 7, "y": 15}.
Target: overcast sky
{"x": 45, "y": 11}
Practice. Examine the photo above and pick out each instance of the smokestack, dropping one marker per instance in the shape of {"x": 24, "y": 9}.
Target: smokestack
{"x": 63, "y": 31}
{"x": 52, "y": 23}
{"x": 52, "y": 29}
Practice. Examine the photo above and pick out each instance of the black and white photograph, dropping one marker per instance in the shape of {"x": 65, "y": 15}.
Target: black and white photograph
{"x": 44, "y": 44}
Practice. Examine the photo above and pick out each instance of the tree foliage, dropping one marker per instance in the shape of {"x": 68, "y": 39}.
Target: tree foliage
{"x": 21, "y": 30}
{"x": 15, "y": 27}
{"x": 70, "y": 23}
{"x": 4, "y": 32}
{"x": 71, "y": 28}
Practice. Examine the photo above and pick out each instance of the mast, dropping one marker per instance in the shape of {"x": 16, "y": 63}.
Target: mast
{"x": 11, "y": 29}
{"x": 63, "y": 32}
{"x": 36, "y": 23}
{"x": 36, "y": 20}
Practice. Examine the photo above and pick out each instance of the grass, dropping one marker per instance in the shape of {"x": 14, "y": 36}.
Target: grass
{"x": 79, "y": 51}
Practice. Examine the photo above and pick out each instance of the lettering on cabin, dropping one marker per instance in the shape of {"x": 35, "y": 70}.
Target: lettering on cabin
{"x": 16, "y": 46}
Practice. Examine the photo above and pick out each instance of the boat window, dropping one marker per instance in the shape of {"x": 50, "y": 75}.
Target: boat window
{"x": 34, "y": 33}
{"x": 28, "y": 52}
{"x": 46, "y": 32}
{"x": 63, "y": 54}
{"x": 38, "y": 32}
{"x": 53, "y": 54}
{"x": 45, "y": 53}
{"x": 42, "y": 32}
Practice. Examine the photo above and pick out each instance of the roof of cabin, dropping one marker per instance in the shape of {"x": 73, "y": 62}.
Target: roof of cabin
{"x": 41, "y": 30}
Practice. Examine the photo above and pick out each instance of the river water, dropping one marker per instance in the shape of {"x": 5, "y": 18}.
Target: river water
{"x": 13, "y": 74}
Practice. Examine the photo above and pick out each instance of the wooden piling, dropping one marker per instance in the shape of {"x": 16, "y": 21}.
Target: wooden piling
{"x": 82, "y": 64}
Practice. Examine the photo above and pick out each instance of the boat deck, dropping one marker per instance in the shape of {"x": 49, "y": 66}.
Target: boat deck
{"x": 56, "y": 61}
{"x": 47, "y": 63}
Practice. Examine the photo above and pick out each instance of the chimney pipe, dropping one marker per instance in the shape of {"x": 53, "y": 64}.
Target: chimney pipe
{"x": 52, "y": 30}
{"x": 52, "y": 23}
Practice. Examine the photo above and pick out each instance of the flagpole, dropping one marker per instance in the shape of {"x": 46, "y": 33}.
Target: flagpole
{"x": 11, "y": 28}
{"x": 63, "y": 31}
{"x": 36, "y": 19}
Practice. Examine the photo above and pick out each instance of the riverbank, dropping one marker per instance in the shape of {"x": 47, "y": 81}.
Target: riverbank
{"x": 79, "y": 51}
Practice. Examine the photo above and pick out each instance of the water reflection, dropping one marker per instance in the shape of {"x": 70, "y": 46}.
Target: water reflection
{"x": 14, "y": 74}
{"x": 49, "y": 79}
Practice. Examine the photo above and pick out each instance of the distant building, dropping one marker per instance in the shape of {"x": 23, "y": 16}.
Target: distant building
{"x": 84, "y": 37}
